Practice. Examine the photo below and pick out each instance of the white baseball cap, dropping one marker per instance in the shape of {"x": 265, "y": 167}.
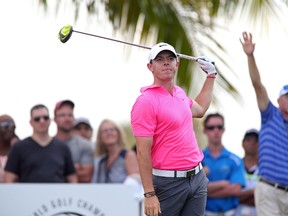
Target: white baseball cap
{"x": 82, "y": 120}
{"x": 252, "y": 132}
{"x": 155, "y": 50}
{"x": 284, "y": 90}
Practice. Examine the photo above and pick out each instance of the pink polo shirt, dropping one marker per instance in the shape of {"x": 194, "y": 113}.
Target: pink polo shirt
{"x": 168, "y": 119}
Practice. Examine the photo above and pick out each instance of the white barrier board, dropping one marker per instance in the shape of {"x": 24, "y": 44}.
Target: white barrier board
{"x": 67, "y": 200}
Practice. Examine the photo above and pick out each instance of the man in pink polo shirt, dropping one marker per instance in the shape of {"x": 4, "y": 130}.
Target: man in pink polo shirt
{"x": 169, "y": 158}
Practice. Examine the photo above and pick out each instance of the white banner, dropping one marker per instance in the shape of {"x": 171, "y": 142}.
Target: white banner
{"x": 68, "y": 200}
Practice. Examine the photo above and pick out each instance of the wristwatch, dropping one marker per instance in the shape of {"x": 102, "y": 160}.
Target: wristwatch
{"x": 149, "y": 194}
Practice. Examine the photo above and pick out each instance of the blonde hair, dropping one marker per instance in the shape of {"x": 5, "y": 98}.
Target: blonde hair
{"x": 100, "y": 145}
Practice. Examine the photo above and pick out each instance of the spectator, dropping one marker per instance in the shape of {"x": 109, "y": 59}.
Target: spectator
{"x": 226, "y": 170}
{"x": 40, "y": 158}
{"x": 168, "y": 154}
{"x": 116, "y": 163}
{"x": 81, "y": 149}
{"x": 271, "y": 191}
{"x": 82, "y": 127}
{"x": 7, "y": 134}
{"x": 246, "y": 196}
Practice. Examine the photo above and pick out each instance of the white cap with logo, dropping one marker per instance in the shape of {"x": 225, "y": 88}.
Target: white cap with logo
{"x": 155, "y": 50}
{"x": 284, "y": 90}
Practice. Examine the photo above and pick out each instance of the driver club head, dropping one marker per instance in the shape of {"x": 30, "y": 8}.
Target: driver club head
{"x": 65, "y": 33}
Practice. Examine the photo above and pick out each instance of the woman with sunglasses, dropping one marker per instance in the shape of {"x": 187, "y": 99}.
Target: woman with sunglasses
{"x": 7, "y": 138}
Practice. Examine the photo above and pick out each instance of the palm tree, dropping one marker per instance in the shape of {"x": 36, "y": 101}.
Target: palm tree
{"x": 188, "y": 25}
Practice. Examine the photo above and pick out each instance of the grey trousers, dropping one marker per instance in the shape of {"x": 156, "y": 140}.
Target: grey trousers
{"x": 182, "y": 196}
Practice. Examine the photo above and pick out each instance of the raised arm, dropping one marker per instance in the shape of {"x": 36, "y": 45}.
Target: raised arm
{"x": 260, "y": 90}
{"x": 204, "y": 98}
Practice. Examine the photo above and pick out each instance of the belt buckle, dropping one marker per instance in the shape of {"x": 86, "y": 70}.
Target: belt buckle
{"x": 190, "y": 173}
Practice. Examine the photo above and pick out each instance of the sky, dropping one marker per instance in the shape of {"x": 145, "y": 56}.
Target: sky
{"x": 35, "y": 67}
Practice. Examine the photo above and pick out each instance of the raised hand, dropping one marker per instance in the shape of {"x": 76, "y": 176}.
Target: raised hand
{"x": 247, "y": 43}
{"x": 207, "y": 65}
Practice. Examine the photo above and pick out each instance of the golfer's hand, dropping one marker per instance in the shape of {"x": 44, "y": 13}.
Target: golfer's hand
{"x": 207, "y": 65}
{"x": 152, "y": 206}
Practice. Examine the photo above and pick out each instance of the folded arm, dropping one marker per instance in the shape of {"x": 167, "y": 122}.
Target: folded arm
{"x": 221, "y": 189}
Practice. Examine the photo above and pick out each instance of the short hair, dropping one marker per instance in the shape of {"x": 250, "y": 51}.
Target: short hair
{"x": 38, "y": 106}
{"x": 213, "y": 115}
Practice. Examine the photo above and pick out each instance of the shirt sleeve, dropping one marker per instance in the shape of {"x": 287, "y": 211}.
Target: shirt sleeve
{"x": 143, "y": 118}
{"x": 268, "y": 113}
{"x": 238, "y": 172}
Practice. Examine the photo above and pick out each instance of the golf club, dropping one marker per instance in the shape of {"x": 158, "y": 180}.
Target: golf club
{"x": 66, "y": 32}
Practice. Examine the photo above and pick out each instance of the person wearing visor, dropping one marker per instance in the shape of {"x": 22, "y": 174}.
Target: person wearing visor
{"x": 168, "y": 155}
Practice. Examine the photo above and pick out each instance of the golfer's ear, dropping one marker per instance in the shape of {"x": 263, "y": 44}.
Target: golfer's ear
{"x": 149, "y": 66}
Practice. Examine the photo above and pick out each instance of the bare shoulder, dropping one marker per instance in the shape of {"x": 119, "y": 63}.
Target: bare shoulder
{"x": 130, "y": 153}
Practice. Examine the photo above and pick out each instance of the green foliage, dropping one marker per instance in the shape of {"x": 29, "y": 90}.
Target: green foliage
{"x": 188, "y": 25}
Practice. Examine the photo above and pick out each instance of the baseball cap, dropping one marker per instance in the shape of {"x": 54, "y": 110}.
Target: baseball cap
{"x": 155, "y": 50}
{"x": 251, "y": 132}
{"x": 284, "y": 90}
{"x": 62, "y": 103}
{"x": 82, "y": 120}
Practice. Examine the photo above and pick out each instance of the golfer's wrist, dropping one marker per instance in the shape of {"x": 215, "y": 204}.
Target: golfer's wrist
{"x": 149, "y": 194}
{"x": 212, "y": 76}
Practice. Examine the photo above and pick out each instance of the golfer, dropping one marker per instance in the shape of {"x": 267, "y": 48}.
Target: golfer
{"x": 169, "y": 158}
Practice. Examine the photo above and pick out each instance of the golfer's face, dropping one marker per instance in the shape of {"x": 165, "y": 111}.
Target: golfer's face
{"x": 164, "y": 66}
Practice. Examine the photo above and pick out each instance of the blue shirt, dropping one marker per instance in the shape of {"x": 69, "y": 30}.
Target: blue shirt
{"x": 273, "y": 146}
{"x": 227, "y": 166}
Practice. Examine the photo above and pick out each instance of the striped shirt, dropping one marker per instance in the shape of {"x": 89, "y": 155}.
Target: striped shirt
{"x": 273, "y": 146}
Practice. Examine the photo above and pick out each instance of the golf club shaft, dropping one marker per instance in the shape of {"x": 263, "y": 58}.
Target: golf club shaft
{"x": 190, "y": 58}
{"x": 132, "y": 44}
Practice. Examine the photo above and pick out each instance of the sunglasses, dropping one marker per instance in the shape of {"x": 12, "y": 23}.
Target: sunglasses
{"x": 108, "y": 130}
{"x": 212, "y": 127}
{"x": 38, "y": 118}
{"x": 7, "y": 125}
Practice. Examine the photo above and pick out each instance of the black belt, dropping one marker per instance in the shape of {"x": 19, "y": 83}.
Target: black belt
{"x": 275, "y": 185}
